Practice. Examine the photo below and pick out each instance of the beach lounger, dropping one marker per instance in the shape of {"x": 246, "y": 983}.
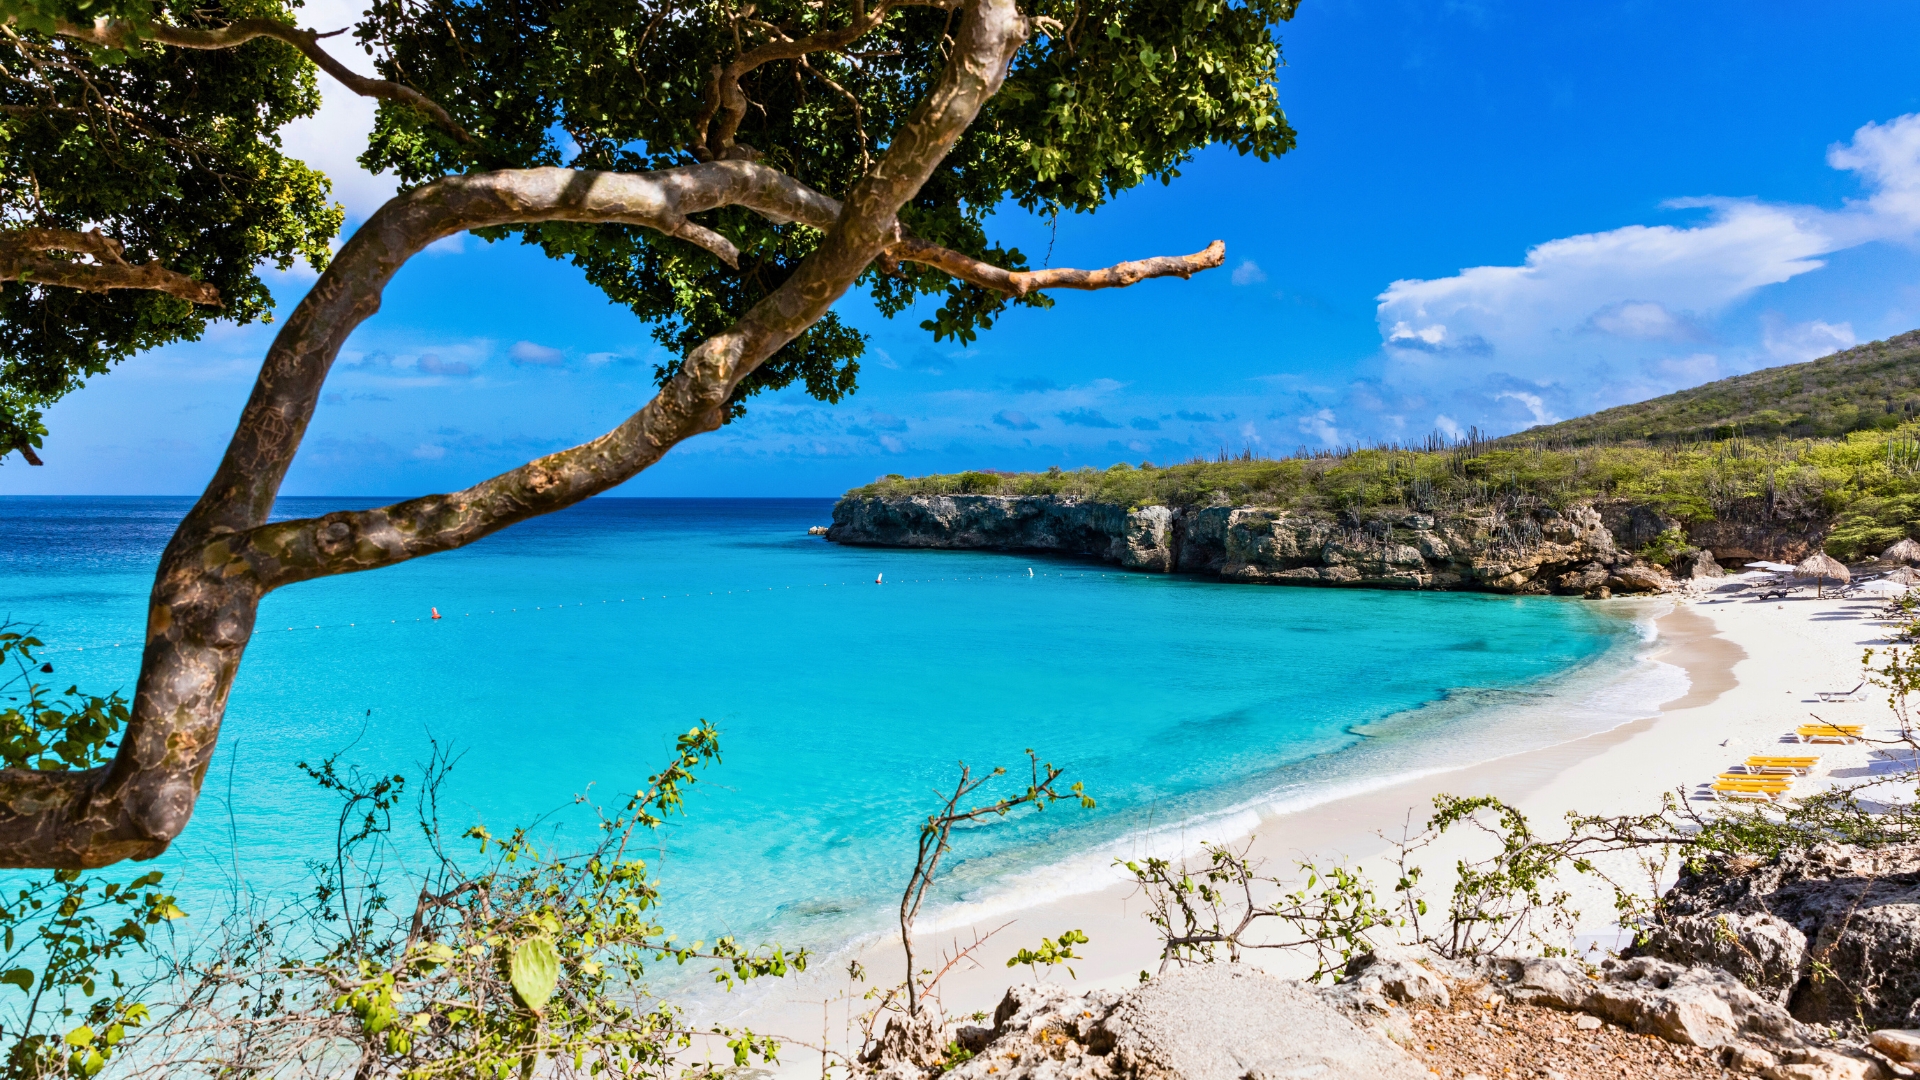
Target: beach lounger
{"x": 1763, "y": 764}
{"x": 1781, "y": 783}
{"x": 1840, "y": 695}
{"x": 1840, "y": 733}
{"x": 1730, "y": 789}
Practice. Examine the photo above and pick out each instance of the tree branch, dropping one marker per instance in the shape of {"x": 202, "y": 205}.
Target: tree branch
{"x": 1022, "y": 282}
{"x": 122, "y": 34}
{"x": 225, "y": 555}
{"x": 21, "y": 259}
{"x": 724, "y": 100}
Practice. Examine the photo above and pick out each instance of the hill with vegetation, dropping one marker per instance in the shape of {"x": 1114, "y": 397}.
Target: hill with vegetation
{"x": 1833, "y": 445}
{"x": 1875, "y": 386}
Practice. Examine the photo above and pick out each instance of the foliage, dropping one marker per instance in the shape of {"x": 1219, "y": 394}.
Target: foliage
{"x": 1875, "y": 386}
{"x": 525, "y": 962}
{"x": 1052, "y": 951}
{"x": 67, "y": 939}
{"x": 174, "y": 153}
{"x": 1847, "y": 480}
{"x": 1666, "y": 547}
{"x": 1332, "y": 915}
{"x": 51, "y": 732}
{"x": 1107, "y": 96}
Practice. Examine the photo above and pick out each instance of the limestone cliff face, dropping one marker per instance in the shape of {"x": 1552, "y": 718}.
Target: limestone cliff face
{"x": 1539, "y": 551}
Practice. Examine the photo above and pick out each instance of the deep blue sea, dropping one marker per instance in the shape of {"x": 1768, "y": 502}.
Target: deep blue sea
{"x": 574, "y": 647}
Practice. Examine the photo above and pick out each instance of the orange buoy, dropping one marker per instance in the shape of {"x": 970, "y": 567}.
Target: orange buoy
{"x": 436, "y": 613}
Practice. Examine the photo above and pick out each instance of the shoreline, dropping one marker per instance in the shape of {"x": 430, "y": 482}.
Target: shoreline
{"x": 1751, "y": 669}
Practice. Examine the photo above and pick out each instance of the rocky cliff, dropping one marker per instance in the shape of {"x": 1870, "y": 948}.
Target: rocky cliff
{"x": 1577, "y": 551}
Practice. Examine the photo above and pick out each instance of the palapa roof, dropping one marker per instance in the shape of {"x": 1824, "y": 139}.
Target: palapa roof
{"x": 1822, "y": 565}
{"x": 1905, "y": 575}
{"x": 1906, "y": 551}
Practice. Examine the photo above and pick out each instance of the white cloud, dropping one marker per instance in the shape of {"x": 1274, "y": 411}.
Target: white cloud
{"x": 1535, "y": 404}
{"x": 1806, "y": 341}
{"x": 530, "y": 354}
{"x": 1448, "y": 426}
{"x": 1318, "y": 424}
{"x": 1888, "y": 156}
{"x": 1428, "y": 338}
{"x": 332, "y": 138}
{"x": 1248, "y": 273}
{"x": 1642, "y": 320}
{"x": 1597, "y": 319}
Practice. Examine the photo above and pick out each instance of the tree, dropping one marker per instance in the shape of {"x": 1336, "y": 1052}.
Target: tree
{"x": 700, "y": 142}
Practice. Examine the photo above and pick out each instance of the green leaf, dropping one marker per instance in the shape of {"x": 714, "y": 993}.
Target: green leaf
{"x": 20, "y": 977}
{"x": 534, "y": 970}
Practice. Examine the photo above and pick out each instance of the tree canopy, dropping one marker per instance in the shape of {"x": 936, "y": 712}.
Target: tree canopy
{"x": 162, "y": 166}
{"x": 726, "y": 169}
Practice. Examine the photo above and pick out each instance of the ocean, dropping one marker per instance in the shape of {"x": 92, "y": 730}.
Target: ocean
{"x": 573, "y": 648}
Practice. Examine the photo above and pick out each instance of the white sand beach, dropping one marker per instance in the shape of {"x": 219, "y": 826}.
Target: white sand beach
{"x": 1754, "y": 671}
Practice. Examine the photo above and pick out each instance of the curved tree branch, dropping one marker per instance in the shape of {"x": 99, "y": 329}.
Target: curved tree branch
{"x": 22, "y": 259}
{"x": 122, "y": 34}
{"x": 225, "y": 555}
{"x": 209, "y": 585}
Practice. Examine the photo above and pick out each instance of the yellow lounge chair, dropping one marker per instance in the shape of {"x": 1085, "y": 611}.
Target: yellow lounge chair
{"x": 1782, "y": 763}
{"x": 1727, "y": 789}
{"x": 1828, "y": 733}
{"x": 1755, "y": 781}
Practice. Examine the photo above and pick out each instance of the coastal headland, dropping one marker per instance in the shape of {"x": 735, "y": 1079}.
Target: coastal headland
{"x": 1580, "y": 550}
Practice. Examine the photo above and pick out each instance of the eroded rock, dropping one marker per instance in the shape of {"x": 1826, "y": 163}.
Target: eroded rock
{"x": 1695, "y": 1006}
{"x": 1543, "y": 550}
{"x": 1831, "y": 933}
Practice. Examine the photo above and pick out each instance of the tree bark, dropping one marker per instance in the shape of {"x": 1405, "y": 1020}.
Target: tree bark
{"x": 23, "y": 258}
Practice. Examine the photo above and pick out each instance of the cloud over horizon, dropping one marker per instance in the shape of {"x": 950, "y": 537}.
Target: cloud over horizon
{"x": 1597, "y": 319}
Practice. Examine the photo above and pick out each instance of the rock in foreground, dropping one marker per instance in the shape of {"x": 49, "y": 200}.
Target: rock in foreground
{"x": 1213, "y": 1022}
{"x": 1832, "y": 933}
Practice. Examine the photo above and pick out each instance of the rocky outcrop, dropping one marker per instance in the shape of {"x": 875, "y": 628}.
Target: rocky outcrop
{"x": 1693, "y": 1006}
{"x": 1392, "y": 1012}
{"x": 1831, "y": 933}
{"x": 1569, "y": 552}
{"x": 1212, "y": 1022}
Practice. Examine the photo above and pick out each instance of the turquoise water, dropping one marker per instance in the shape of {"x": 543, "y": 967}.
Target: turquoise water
{"x": 575, "y": 646}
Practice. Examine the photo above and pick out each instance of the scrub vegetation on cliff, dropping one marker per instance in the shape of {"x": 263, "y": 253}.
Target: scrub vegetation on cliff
{"x": 1864, "y": 485}
{"x": 1871, "y": 386}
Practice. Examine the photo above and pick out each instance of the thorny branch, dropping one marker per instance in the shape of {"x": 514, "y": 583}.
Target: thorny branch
{"x": 937, "y": 830}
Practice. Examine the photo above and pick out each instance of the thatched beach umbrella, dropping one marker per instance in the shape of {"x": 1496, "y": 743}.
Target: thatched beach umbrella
{"x": 1905, "y": 575}
{"x": 1822, "y": 566}
{"x": 1906, "y": 551}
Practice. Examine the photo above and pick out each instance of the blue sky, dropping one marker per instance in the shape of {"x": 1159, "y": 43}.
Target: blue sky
{"x": 1499, "y": 213}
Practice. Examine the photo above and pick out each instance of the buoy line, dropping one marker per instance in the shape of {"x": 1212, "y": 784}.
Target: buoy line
{"x": 1025, "y": 575}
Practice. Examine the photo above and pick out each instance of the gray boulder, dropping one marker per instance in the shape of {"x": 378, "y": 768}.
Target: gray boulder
{"x": 1831, "y": 933}
{"x": 1696, "y": 565}
{"x": 1211, "y": 1022}
{"x": 1697, "y": 1006}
